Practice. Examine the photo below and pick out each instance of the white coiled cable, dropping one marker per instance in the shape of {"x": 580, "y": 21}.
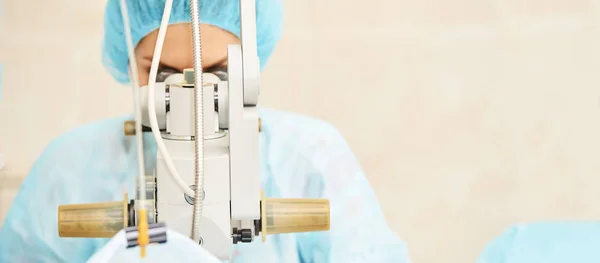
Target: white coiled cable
{"x": 199, "y": 121}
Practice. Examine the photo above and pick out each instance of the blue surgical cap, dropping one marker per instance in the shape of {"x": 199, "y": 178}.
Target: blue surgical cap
{"x": 145, "y": 17}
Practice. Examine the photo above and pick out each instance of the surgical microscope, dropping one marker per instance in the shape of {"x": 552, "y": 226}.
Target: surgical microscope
{"x": 217, "y": 200}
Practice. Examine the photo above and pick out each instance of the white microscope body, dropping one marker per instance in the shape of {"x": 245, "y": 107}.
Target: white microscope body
{"x": 232, "y": 196}
{"x": 233, "y": 207}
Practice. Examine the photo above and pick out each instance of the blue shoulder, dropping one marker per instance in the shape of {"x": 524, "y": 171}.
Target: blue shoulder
{"x": 547, "y": 242}
{"x": 295, "y": 152}
{"x": 299, "y": 131}
{"x": 88, "y": 164}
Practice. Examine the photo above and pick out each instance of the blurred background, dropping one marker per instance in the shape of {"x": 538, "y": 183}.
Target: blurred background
{"x": 467, "y": 116}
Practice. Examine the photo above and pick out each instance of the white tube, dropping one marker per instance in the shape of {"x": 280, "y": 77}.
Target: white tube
{"x": 162, "y": 31}
{"x": 136, "y": 102}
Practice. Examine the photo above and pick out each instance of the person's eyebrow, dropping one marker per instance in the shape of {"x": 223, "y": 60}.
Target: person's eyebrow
{"x": 216, "y": 64}
{"x": 161, "y": 64}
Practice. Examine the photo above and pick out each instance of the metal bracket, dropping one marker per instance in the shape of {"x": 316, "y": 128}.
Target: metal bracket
{"x": 157, "y": 233}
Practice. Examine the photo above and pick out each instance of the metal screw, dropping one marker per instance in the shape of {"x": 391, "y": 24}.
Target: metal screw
{"x": 129, "y": 128}
{"x": 189, "y": 199}
{"x": 259, "y": 125}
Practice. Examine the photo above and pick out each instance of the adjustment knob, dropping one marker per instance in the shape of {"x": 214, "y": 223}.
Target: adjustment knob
{"x": 129, "y": 128}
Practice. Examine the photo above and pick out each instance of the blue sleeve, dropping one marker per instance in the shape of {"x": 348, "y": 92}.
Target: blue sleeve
{"x": 86, "y": 165}
{"x": 359, "y": 231}
{"x": 30, "y": 232}
{"x": 546, "y": 242}
{"x": 498, "y": 249}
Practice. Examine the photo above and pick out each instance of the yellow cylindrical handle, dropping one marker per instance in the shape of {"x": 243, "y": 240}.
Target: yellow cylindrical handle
{"x": 143, "y": 238}
{"x": 97, "y": 220}
{"x": 294, "y": 215}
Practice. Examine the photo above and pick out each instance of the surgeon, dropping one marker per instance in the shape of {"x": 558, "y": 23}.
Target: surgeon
{"x": 300, "y": 156}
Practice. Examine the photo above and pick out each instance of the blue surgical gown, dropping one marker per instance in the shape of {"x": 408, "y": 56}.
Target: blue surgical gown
{"x": 546, "y": 242}
{"x": 300, "y": 157}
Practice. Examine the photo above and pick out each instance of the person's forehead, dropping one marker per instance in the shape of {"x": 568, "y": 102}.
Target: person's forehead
{"x": 177, "y": 47}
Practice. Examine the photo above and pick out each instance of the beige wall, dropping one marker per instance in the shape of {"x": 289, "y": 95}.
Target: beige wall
{"x": 467, "y": 115}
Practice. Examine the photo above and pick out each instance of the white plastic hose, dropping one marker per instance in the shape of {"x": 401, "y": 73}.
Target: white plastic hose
{"x": 136, "y": 103}
{"x": 162, "y": 32}
{"x": 168, "y": 160}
